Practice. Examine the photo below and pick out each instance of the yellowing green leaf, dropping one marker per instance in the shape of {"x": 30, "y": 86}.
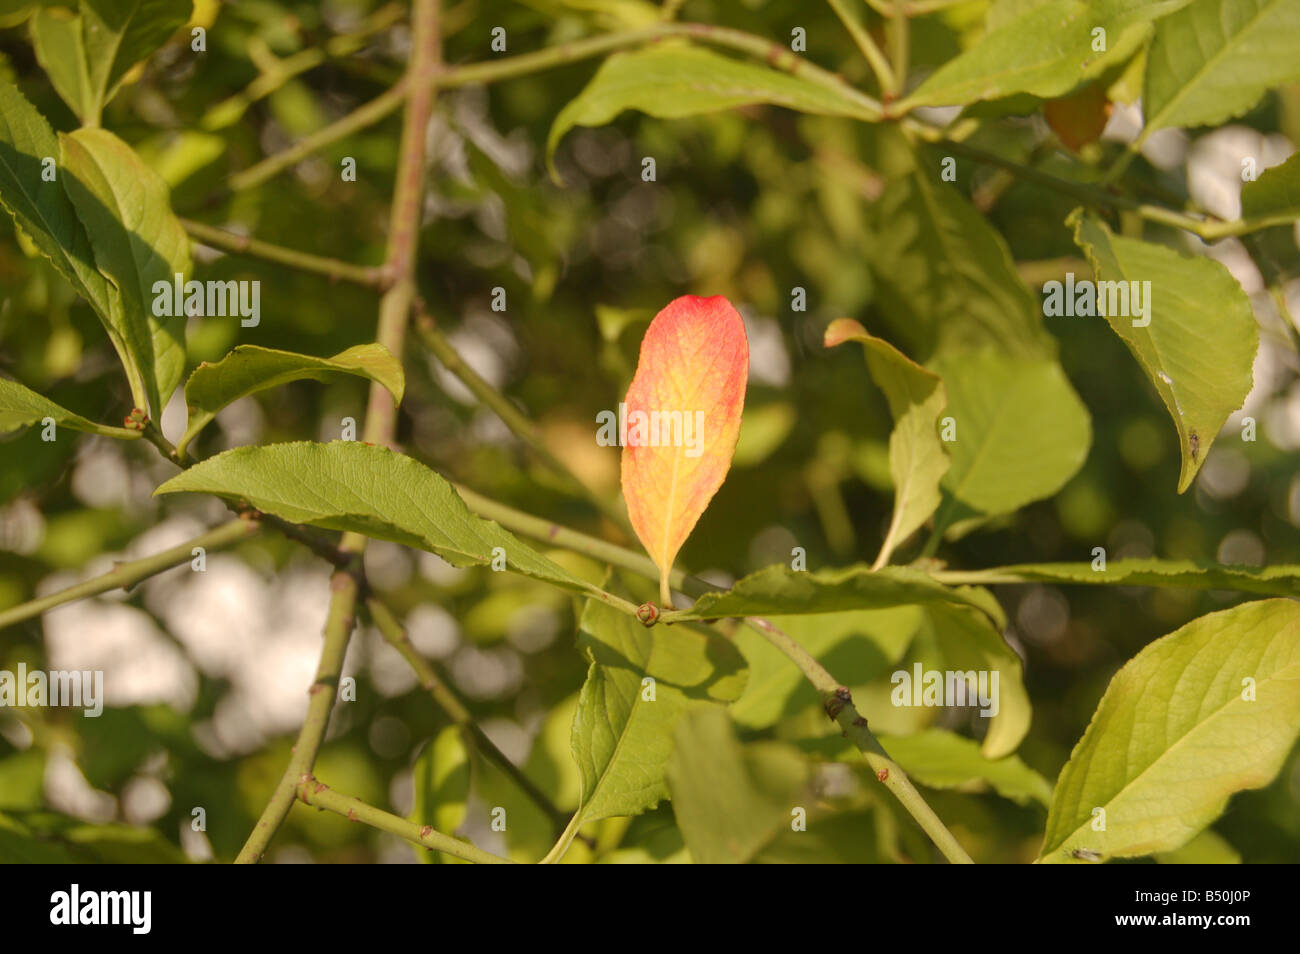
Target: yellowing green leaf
{"x": 1198, "y": 344}
{"x": 1209, "y": 710}
{"x": 1214, "y": 59}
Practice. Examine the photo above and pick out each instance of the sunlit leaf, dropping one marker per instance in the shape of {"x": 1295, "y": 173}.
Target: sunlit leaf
{"x": 125, "y": 208}
{"x": 1017, "y": 433}
{"x": 22, "y": 407}
{"x": 1197, "y": 340}
{"x": 348, "y": 485}
{"x": 1209, "y": 710}
{"x": 1214, "y": 59}
{"x": 639, "y": 684}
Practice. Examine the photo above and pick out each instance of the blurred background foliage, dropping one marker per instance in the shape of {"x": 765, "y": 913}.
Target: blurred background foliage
{"x": 211, "y": 668}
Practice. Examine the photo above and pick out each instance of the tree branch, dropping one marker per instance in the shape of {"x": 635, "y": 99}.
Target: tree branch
{"x": 395, "y": 633}
{"x": 381, "y": 415}
{"x": 312, "y": 792}
{"x": 131, "y": 572}
{"x": 835, "y": 698}
{"x": 511, "y": 416}
{"x": 366, "y": 275}
{"x": 344, "y": 587}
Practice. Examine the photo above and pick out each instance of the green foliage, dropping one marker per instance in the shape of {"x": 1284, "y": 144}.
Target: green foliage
{"x": 87, "y": 55}
{"x": 917, "y": 461}
{"x": 640, "y": 683}
{"x": 370, "y": 490}
{"x": 555, "y": 712}
{"x": 676, "y": 80}
{"x": 248, "y": 369}
{"x": 1020, "y": 432}
{"x": 1062, "y": 54}
{"x": 779, "y": 591}
{"x": 1212, "y": 60}
{"x": 1207, "y": 711}
{"x": 442, "y": 780}
{"x": 1265, "y": 581}
{"x": 22, "y": 407}
{"x": 1198, "y": 344}
{"x": 137, "y": 243}
{"x": 1275, "y": 193}
{"x": 946, "y": 277}
{"x": 939, "y": 759}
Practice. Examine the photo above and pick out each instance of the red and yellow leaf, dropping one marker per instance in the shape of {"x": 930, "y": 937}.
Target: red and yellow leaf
{"x": 682, "y": 415}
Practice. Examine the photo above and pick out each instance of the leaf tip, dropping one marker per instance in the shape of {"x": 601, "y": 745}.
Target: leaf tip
{"x": 841, "y": 330}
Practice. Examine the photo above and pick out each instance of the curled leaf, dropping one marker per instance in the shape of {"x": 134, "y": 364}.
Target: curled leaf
{"x": 680, "y": 421}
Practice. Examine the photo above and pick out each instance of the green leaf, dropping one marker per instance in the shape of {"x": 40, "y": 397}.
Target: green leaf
{"x": 1275, "y": 194}
{"x": 640, "y": 683}
{"x": 1277, "y": 580}
{"x": 47, "y": 838}
{"x": 857, "y": 645}
{"x": 1207, "y": 848}
{"x": 1211, "y": 709}
{"x": 1020, "y": 432}
{"x": 673, "y": 80}
{"x": 779, "y": 591}
{"x": 348, "y": 485}
{"x": 941, "y": 759}
{"x": 441, "y": 788}
{"x": 945, "y": 277}
{"x": 732, "y": 801}
{"x": 249, "y": 369}
{"x": 60, "y": 49}
{"x": 1214, "y": 59}
{"x": 917, "y": 461}
{"x": 43, "y": 211}
{"x": 22, "y": 779}
{"x": 121, "y": 33}
{"x": 126, "y": 211}
{"x": 87, "y": 54}
{"x": 1198, "y": 346}
{"x": 1046, "y": 49}
{"x": 969, "y": 643}
{"x": 22, "y": 407}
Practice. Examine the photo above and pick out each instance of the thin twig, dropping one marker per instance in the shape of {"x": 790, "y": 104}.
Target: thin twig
{"x": 381, "y": 415}
{"x": 130, "y": 572}
{"x": 875, "y": 58}
{"x": 370, "y": 276}
{"x": 836, "y": 699}
{"x": 344, "y": 587}
{"x": 312, "y": 792}
{"x": 517, "y": 422}
{"x": 391, "y": 628}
